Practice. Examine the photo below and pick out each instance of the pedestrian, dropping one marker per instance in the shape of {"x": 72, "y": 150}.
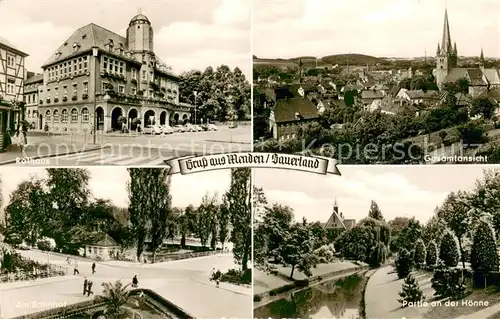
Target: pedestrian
{"x": 89, "y": 288}
{"x": 135, "y": 281}
{"x": 85, "y": 284}
{"x": 93, "y": 268}
{"x": 218, "y": 274}
{"x": 75, "y": 270}
{"x": 24, "y": 128}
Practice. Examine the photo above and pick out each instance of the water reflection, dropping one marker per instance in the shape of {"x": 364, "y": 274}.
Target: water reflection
{"x": 336, "y": 299}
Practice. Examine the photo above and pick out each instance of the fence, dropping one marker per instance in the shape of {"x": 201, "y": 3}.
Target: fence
{"x": 51, "y": 271}
{"x": 190, "y": 255}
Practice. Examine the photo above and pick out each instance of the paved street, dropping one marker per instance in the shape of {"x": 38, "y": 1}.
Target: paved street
{"x": 184, "y": 282}
{"x": 131, "y": 149}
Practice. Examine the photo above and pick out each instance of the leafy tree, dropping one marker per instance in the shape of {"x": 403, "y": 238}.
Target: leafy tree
{"x": 276, "y": 221}
{"x": 484, "y": 255}
{"x": 420, "y": 254}
{"x": 449, "y": 251}
{"x": 472, "y": 134}
{"x": 319, "y": 234}
{"x": 223, "y": 221}
{"x": 443, "y": 134}
{"x": 484, "y": 107}
{"x": 375, "y": 211}
{"x": 206, "y": 218}
{"x": 432, "y": 254}
{"x": 456, "y": 212}
{"x": 434, "y": 228}
{"x": 356, "y": 243}
{"x": 240, "y": 201}
{"x": 410, "y": 234}
{"x": 187, "y": 223}
{"x": 411, "y": 292}
{"x": 380, "y": 230}
{"x": 403, "y": 263}
{"x": 378, "y": 255}
{"x": 297, "y": 250}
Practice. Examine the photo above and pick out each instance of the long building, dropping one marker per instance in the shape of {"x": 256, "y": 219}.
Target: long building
{"x": 12, "y": 75}
{"x": 33, "y": 89}
{"x": 98, "y": 77}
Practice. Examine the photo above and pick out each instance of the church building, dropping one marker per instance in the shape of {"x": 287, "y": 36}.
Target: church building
{"x": 337, "y": 223}
{"x": 481, "y": 81}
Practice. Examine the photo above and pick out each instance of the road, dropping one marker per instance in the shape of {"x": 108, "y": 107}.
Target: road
{"x": 132, "y": 150}
{"x": 183, "y": 282}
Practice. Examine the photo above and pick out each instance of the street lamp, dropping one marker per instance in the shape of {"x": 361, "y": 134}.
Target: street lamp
{"x": 195, "y": 100}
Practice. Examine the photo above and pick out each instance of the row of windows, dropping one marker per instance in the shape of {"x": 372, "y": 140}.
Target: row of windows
{"x": 30, "y": 98}
{"x": 73, "y": 116}
{"x": 65, "y": 90}
{"x": 288, "y": 136}
{"x": 114, "y": 66}
{"x": 69, "y": 68}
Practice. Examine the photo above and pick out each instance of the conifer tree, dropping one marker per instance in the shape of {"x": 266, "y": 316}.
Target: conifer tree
{"x": 432, "y": 253}
{"x": 411, "y": 291}
{"x": 420, "y": 254}
{"x": 484, "y": 255}
{"x": 449, "y": 251}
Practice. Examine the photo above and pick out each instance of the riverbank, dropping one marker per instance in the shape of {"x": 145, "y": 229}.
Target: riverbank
{"x": 268, "y": 287}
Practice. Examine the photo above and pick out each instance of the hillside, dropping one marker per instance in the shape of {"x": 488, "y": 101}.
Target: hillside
{"x": 310, "y": 61}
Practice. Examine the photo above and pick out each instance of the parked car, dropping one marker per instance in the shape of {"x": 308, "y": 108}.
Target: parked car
{"x": 198, "y": 128}
{"x": 189, "y": 128}
{"x": 152, "y": 129}
{"x": 167, "y": 129}
{"x": 233, "y": 125}
{"x": 178, "y": 128}
{"x": 211, "y": 127}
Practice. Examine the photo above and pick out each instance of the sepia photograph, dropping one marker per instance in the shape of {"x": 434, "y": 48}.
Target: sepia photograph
{"x": 378, "y": 82}
{"x": 123, "y": 82}
{"x": 378, "y": 242}
{"x": 125, "y": 243}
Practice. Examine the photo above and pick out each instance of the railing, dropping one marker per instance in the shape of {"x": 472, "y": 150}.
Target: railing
{"x": 189, "y": 255}
{"x": 91, "y": 307}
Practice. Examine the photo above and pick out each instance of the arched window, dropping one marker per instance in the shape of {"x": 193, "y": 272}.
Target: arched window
{"x": 74, "y": 116}
{"x": 85, "y": 115}
{"x": 47, "y": 115}
{"x": 56, "y": 116}
{"x": 64, "y": 116}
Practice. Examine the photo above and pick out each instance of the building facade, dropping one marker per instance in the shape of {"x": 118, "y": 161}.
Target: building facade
{"x": 97, "y": 77}
{"x": 104, "y": 248}
{"x": 33, "y": 88}
{"x": 337, "y": 223}
{"x": 12, "y": 75}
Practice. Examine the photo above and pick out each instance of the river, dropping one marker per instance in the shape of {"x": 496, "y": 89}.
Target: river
{"x": 335, "y": 299}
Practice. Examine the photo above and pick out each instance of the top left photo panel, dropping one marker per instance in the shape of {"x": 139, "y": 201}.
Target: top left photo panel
{"x": 130, "y": 83}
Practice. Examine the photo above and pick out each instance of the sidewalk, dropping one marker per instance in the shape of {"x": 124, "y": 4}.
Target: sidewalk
{"x": 53, "y": 147}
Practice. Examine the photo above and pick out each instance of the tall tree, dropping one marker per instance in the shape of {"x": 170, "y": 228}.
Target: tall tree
{"x": 375, "y": 211}
{"x": 187, "y": 222}
{"x": 206, "y": 218}
{"x": 457, "y": 214}
{"x": 240, "y": 202}
{"x": 150, "y": 206}
{"x": 224, "y": 218}
{"x": 276, "y": 221}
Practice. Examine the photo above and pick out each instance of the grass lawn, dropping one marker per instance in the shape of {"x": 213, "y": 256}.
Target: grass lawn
{"x": 458, "y": 309}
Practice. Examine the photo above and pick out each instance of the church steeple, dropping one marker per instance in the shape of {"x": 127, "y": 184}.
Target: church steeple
{"x": 482, "y": 56}
{"x": 446, "y": 41}
{"x": 335, "y": 206}
{"x": 455, "y": 48}
{"x": 438, "y": 49}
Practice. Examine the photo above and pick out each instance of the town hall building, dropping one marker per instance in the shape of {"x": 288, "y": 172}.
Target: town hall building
{"x": 98, "y": 77}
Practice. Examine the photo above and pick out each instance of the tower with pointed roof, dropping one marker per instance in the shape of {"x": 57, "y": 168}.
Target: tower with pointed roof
{"x": 446, "y": 55}
{"x": 481, "y": 59}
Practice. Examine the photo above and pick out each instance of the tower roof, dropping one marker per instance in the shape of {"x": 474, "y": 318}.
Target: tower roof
{"x": 446, "y": 41}
{"x": 139, "y": 17}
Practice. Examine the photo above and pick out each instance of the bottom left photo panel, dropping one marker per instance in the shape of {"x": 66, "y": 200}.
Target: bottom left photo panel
{"x": 117, "y": 242}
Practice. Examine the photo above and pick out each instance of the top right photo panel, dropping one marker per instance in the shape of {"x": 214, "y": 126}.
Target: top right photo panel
{"x": 378, "y": 82}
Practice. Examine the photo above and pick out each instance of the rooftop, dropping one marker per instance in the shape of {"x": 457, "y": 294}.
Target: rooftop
{"x": 5, "y": 43}
{"x": 287, "y": 109}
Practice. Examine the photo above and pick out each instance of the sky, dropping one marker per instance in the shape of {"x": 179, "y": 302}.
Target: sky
{"x": 405, "y": 191}
{"x": 382, "y": 28}
{"x": 188, "y": 34}
{"x": 110, "y": 183}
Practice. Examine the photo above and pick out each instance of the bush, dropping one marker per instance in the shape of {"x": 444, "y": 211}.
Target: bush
{"x": 324, "y": 254}
{"x": 44, "y": 245}
{"x": 484, "y": 255}
{"x": 432, "y": 253}
{"x": 449, "y": 251}
{"x": 410, "y": 292}
{"x": 238, "y": 277}
{"x": 378, "y": 255}
{"x": 13, "y": 239}
{"x": 403, "y": 264}
{"x": 420, "y": 254}
{"x": 447, "y": 282}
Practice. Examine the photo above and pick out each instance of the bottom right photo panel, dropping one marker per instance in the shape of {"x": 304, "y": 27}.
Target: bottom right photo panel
{"x": 377, "y": 242}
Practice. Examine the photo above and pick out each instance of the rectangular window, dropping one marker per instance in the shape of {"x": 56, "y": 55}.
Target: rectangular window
{"x": 121, "y": 67}
{"x": 116, "y": 66}
{"x": 48, "y": 93}
{"x": 75, "y": 89}
{"x": 65, "y": 88}
{"x": 121, "y": 89}
{"x": 85, "y": 88}
{"x": 11, "y": 86}
{"x": 134, "y": 74}
{"x": 105, "y": 63}
{"x": 144, "y": 75}
{"x": 151, "y": 94}
{"x": 134, "y": 91}
{"x": 56, "y": 90}
{"x": 11, "y": 61}
{"x": 85, "y": 65}
{"x": 104, "y": 86}
{"x": 74, "y": 116}
{"x": 80, "y": 65}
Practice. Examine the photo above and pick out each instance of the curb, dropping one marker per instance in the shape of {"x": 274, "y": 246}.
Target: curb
{"x": 13, "y": 161}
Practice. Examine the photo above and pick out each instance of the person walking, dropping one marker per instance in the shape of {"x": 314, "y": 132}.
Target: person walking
{"x": 135, "y": 281}
{"x": 85, "y": 283}
{"x": 89, "y": 288}
{"x": 218, "y": 274}
{"x": 75, "y": 270}
{"x": 212, "y": 274}
{"x": 24, "y": 129}
{"x": 93, "y": 268}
